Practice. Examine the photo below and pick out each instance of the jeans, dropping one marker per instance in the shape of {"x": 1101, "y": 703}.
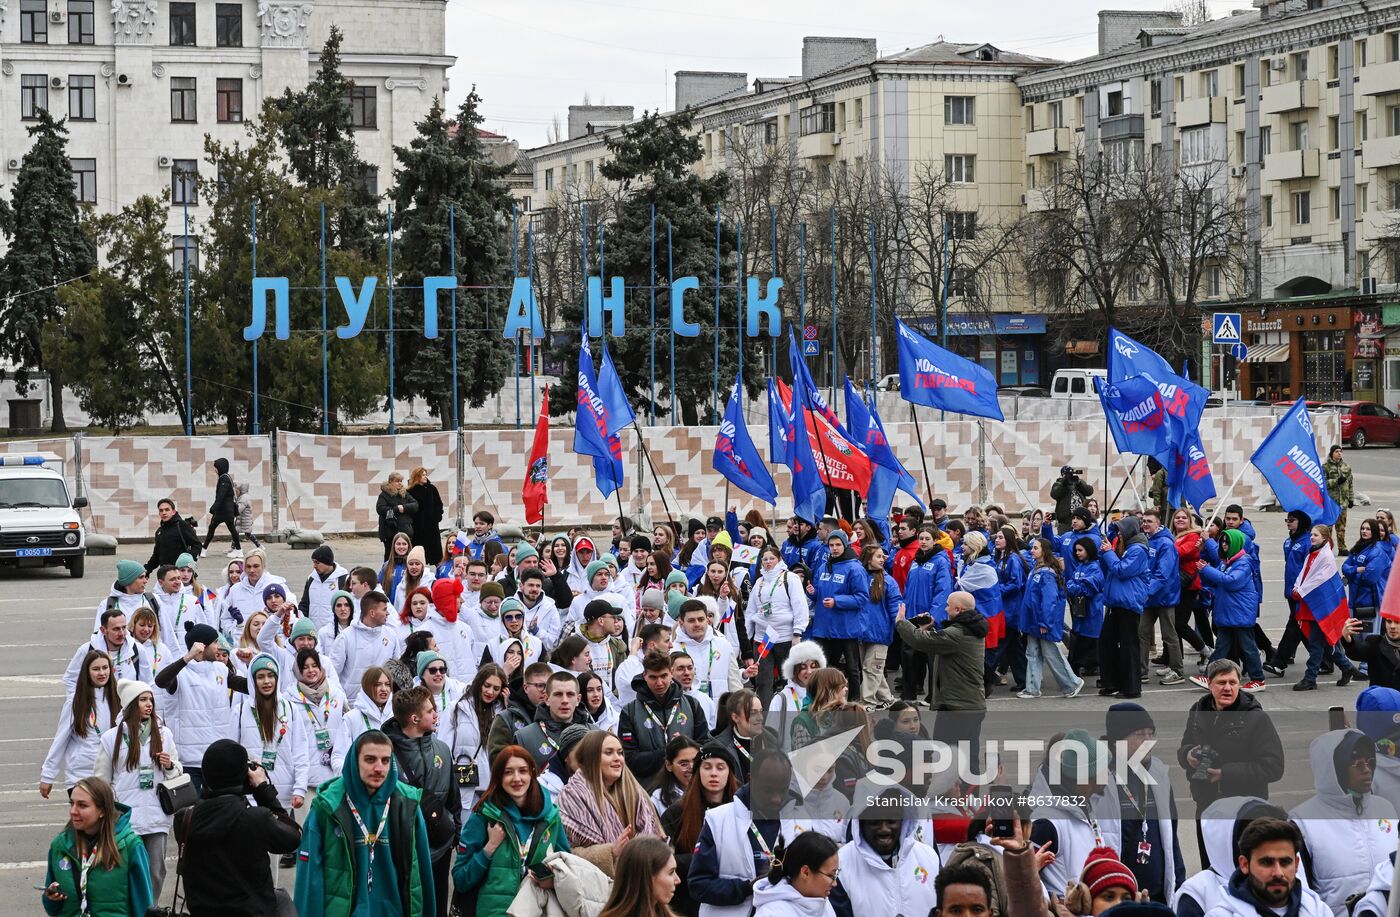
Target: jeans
{"x": 763, "y": 681}
{"x": 1232, "y": 640}
{"x": 1171, "y": 644}
{"x": 1119, "y": 656}
{"x": 873, "y": 687}
{"x": 1319, "y": 649}
{"x": 1042, "y": 652}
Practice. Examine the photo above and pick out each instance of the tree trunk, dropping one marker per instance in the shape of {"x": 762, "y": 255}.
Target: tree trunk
{"x": 60, "y": 424}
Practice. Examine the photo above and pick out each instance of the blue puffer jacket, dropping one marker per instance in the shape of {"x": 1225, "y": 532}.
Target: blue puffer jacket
{"x": 1087, "y": 581}
{"x": 1364, "y": 586}
{"x": 1127, "y": 580}
{"x": 808, "y": 553}
{"x": 1166, "y": 570}
{"x": 1011, "y": 570}
{"x": 1295, "y": 554}
{"x": 1066, "y": 543}
{"x": 846, "y": 583}
{"x": 877, "y": 618}
{"x": 1044, "y": 605}
{"x": 1236, "y": 597}
{"x": 928, "y": 586}
{"x": 1252, "y": 549}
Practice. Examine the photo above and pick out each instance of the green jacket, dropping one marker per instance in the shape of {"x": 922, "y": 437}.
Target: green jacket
{"x": 490, "y": 884}
{"x": 121, "y": 892}
{"x": 958, "y": 656}
{"x": 334, "y": 882}
{"x": 1338, "y": 481}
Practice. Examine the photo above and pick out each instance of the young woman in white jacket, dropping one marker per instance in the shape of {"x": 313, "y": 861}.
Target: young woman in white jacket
{"x": 370, "y": 708}
{"x": 778, "y": 608}
{"x": 801, "y": 880}
{"x": 446, "y": 690}
{"x": 143, "y": 632}
{"x": 470, "y": 721}
{"x": 137, "y": 755}
{"x": 272, "y": 729}
{"x": 323, "y": 706}
{"x": 92, "y": 710}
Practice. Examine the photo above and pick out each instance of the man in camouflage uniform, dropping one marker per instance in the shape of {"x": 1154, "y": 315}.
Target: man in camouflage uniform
{"x": 1339, "y": 488}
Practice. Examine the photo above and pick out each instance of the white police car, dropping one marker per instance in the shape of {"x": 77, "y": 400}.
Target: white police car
{"x": 39, "y": 524}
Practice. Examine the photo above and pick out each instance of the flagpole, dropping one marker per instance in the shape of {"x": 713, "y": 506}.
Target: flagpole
{"x": 1225, "y": 500}
{"x": 923, "y": 459}
{"x": 1114, "y": 501}
{"x": 656, "y": 479}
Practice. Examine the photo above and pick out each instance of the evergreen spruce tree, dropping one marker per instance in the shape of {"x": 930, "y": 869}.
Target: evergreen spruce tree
{"x": 447, "y": 178}
{"x": 46, "y": 247}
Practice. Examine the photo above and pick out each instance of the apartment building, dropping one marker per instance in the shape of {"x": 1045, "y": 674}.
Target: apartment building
{"x": 141, "y": 82}
{"x": 1295, "y": 105}
{"x": 946, "y": 105}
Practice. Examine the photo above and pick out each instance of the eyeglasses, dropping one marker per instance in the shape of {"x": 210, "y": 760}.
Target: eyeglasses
{"x": 833, "y": 875}
{"x": 512, "y": 617}
{"x": 535, "y": 685}
{"x": 436, "y": 670}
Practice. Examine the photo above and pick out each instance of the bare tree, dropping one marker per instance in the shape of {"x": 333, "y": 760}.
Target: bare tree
{"x": 1193, "y": 12}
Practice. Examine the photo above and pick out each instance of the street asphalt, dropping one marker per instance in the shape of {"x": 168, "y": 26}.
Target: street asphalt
{"x": 47, "y": 615}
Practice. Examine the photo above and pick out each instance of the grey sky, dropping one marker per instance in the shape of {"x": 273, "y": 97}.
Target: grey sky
{"x": 531, "y": 59}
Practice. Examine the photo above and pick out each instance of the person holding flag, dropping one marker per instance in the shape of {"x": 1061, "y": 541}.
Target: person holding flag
{"x": 1322, "y": 609}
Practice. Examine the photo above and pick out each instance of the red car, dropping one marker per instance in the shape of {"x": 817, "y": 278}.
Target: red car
{"x": 1366, "y": 422}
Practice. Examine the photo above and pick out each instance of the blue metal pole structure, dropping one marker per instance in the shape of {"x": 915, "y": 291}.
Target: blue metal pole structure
{"x": 255, "y": 343}
{"x": 834, "y": 364}
{"x": 874, "y": 339}
{"x": 452, "y": 253}
{"x": 651, "y": 364}
{"x": 603, "y": 262}
{"x": 739, "y": 289}
{"x": 530, "y": 246}
{"x": 391, "y": 320}
{"x": 670, "y": 280}
{"x": 189, "y": 372}
{"x": 943, "y": 294}
{"x": 584, "y": 234}
{"x": 714, "y": 382}
{"x": 515, "y": 272}
{"x": 773, "y": 272}
{"x": 325, "y": 355}
{"x": 802, "y": 276}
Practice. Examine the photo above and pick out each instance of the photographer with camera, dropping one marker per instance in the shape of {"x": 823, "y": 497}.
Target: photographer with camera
{"x": 1069, "y": 492}
{"x": 1230, "y": 746}
{"x": 226, "y": 843}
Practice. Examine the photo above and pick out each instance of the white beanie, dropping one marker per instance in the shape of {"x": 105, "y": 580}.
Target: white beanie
{"x": 128, "y": 690}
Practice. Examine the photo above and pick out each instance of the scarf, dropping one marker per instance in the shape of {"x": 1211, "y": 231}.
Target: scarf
{"x": 591, "y": 821}
{"x": 314, "y": 693}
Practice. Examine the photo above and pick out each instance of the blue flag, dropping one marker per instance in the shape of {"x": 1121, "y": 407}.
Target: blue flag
{"x": 735, "y": 456}
{"x": 591, "y": 428}
{"x": 1183, "y": 399}
{"x": 937, "y": 378}
{"x": 1288, "y": 460}
{"x": 779, "y": 428}
{"x": 808, "y": 492}
{"x": 887, "y": 473}
{"x": 616, "y": 407}
{"x": 816, "y": 401}
{"x": 1136, "y": 414}
{"x": 1188, "y": 474}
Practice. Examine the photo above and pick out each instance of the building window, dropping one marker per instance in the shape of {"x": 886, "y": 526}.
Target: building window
{"x": 860, "y": 113}
{"x": 1210, "y": 84}
{"x": 1214, "y": 281}
{"x": 1394, "y": 186}
{"x": 184, "y": 182}
{"x": 82, "y": 98}
{"x": 1360, "y": 52}
{"x": 958, "y": 167}
{"x": 1299, "y": 132}
{"x": 549, "y": 179}
{"x": 84, "y": 179}
{"x": 1302, "y": 208}
{"x": 364, "y": 108}
{"x": 1362, "y": 128}
{"x": 1392, "y": 46}
{"x": 1115, "y": 103}
{"x": 1332, "y": 62}
{"x": 1195, "y": 145}
{"x": 1334, "y": 203}
{"x": 230, "y": 100}
{"x": 228, "y": 25}
{"x": 1123, "y": 155}
{"x": 1334, "y": 135}
{"x": 1268, "y": 206}
{"x": 1300, "y": 65}
{"x": 34, "y": 22}
{"x": 770, "y": 133}
{"x": 1266, "y": 141}
{"x": 1361, "y": 199}
{"x": 1154, "y": 98}
{"x": 1239, "y": 146}
{"x": 1239, "y": 80}
{"x": 182, "y": 24}
{"x": 368, "y": 180}
{"x": 1324, "y": 364}
{"x": 182, "y": 99}
{"x": 961, "y": 283}
{"x": 959, "y": 109}
{"x": 962, "y": 225}
{"x": 1057, "y": 114}
{"x": 588, "y": 171}
{"x": 82, "y": 22}
{"x": 817, "y": 119}
{"x": 33, "y": 95}
{"x": 183, "y": 249}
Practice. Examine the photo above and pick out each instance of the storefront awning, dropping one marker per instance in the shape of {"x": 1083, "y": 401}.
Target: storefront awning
{"x": 1268, "y": 353}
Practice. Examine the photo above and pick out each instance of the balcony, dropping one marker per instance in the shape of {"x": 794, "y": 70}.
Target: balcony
{"x": 1294, "y": 96}
{"x": 1379, "y": 79}
{"x": 818, "y": 145}
{"x": 1379, "y": 152}
{"x": 1120, "y": 127}
{"x": 1047, "y": 142}
{"x": 1291, "y": 165}
{"x": 1039, "y": 200}
{"x": 1196, "y": 112}
{"x": 1378, "y": 225}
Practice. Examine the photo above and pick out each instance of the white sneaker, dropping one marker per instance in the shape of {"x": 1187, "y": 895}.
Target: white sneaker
{"x": 1026, "y": 696}
{"x": 235, "y": 555}
{"x": 1075, "y": 692}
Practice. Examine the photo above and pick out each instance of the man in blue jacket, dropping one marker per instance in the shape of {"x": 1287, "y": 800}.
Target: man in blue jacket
{"x": 1127, "y": 584}
{"x": 1295, "y": 554}
{"x": 1161, "y": 602}
{"x": 1236, "y": 608}
{"x": 805, "y": 548}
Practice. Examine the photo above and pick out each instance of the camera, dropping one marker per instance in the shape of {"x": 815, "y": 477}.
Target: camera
{"x": 1209, "y": 759}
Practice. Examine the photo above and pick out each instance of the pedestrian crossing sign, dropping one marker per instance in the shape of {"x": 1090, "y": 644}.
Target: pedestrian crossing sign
{"x": 1226, "y": 328}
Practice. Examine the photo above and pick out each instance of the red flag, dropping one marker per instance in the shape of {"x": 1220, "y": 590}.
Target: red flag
{"x": 536, "y": 491}
{"x": 1390, "y": 598}
{"x": 839, "y": 462}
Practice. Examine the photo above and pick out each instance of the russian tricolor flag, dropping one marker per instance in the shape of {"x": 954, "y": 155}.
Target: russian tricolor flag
{"x": 1321, "y": 595}
{"x": 766, "y": 645}
{"x": 459, "y": 543}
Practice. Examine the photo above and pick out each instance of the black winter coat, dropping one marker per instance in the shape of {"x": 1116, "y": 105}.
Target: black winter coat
{"x": 391, "y": 521}
{"x": 427, "y": 764}
{"x": 1250, "y": 751}
{"x": 226, "y": 868}
{"x": 1382, "y": 660}
{"x": 427, "y": 520}
{"x": 225, "y": 505}
{"x": 173, "y": 538}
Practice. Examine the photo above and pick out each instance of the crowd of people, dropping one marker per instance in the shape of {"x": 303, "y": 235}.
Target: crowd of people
{"x": 606, "y": 725}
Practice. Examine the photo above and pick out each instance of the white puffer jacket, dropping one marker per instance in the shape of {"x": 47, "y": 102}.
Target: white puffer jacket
{"x": 146, "y": 814}
{"x": 360, "y": 648}
{"x": 284, "y": 757}
{"x": 200, "y": 703}
{"x": 321, "y": 725}
{"x": 71, "y": 753}
{"x": 362, "y": 716}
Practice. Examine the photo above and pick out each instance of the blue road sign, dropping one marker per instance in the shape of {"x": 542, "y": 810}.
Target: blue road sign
{"x": 1239, "y": 351}
{"x": 811, "y": 348}
{"x": 1225, "y": 328}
